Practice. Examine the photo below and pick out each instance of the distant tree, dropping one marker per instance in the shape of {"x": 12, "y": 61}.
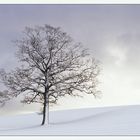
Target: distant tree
{"x": 53, "y": 65}
{"x": 4, "y": 96}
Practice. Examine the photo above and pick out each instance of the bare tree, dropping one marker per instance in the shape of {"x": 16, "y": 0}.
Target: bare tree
{"x": 53, "y": 65}
{"x": 4, "y": 96}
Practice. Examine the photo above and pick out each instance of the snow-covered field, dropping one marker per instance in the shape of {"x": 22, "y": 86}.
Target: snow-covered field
{"x": 121, "y": 120}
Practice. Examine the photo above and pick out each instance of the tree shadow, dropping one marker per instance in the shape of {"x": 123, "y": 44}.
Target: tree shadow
{"x": 86, "y": 118}
{"x": 21, "y": 128}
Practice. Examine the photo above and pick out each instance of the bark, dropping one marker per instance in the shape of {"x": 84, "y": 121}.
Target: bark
{"x": 45, "y": 104}
{"x": 44, "y": 110}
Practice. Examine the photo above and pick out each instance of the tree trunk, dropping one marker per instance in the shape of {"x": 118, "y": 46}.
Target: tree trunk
{"x": 44, "y": 109}
{"x": 46, "y": 103}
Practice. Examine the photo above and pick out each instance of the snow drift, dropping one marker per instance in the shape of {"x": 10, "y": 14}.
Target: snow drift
{"x": 121, "y": 120}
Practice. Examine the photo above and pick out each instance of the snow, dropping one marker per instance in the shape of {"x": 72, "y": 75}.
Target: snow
{"x": 120, "y": 120}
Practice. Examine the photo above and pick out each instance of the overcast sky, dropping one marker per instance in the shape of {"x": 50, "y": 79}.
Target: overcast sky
{"x": 111, "y": 32}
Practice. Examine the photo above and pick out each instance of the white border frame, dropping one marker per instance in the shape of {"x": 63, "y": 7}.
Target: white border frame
{"x": 70, "y": 2}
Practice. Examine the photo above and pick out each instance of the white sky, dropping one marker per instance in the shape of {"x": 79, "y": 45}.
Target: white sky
{"x": 111, "y": 32}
